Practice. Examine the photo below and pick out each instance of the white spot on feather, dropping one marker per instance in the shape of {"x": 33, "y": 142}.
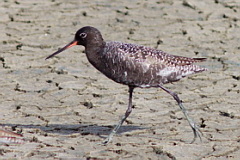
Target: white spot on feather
{"x": 125, "y": 73}
{"x": 165, "y": 72}
{"x": 145, "y": 67}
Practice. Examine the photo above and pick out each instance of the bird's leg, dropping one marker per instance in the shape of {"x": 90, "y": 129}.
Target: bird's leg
{"x": 124, "y": 117}
{"x": 196, "y": 131}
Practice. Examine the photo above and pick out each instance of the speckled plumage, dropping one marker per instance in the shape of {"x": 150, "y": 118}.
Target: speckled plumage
{"x": 136, "y": 66}
{"x": 141, "y": 66}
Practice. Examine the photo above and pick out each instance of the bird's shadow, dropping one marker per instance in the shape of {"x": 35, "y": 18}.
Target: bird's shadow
{"x": 68, "y": 129}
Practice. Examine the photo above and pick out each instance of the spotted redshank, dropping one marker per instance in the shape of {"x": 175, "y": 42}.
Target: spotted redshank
{"x": 136, "y": 66}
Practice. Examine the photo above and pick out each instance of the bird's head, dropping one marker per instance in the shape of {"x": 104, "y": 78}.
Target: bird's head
{"x": 86, "y": 36}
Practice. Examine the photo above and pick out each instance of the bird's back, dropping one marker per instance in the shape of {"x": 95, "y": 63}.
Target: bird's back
{"x": 142, "y": 66}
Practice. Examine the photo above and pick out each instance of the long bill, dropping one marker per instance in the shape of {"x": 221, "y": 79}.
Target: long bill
{"x": 73, "y": 43}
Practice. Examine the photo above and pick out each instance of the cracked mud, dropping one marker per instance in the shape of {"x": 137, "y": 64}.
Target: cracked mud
{"x": 64, "y": 107}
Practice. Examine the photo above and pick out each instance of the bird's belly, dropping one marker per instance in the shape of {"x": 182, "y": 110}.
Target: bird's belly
{"x": 136, "y": 75}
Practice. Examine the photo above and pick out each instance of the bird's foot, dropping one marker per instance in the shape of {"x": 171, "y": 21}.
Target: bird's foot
{"x": 197, "y": 133}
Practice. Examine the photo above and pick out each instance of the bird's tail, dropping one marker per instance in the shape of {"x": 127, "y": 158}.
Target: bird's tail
{"x": 199, "y": 59}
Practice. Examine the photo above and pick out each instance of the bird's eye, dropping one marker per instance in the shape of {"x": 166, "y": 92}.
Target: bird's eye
{"x": 83, "y": 35}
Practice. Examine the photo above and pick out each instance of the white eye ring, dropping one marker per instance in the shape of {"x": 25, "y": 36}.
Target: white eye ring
{"x": 83, "y": 35}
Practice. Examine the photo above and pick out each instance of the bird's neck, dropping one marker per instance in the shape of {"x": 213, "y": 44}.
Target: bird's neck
{"x": 94, "y": 51}
{"x": 94, "y": 47}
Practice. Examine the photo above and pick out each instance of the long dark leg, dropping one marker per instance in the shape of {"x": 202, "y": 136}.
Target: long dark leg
{"x": 124, "y": 117}
{"x": 196, "y": 131}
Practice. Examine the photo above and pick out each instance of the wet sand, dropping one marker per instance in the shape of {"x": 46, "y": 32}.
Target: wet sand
{"x": 64, "y": 106}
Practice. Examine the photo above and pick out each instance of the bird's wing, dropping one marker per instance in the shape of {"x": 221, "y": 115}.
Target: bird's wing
{"x": 143, "y": 54}
{"x": 182, "y": 61}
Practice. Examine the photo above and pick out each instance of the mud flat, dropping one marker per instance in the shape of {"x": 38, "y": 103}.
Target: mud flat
{"x": 64, "y": 107}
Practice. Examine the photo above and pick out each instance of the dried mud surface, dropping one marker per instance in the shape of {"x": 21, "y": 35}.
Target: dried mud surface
{"x": 65, "y": 107}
